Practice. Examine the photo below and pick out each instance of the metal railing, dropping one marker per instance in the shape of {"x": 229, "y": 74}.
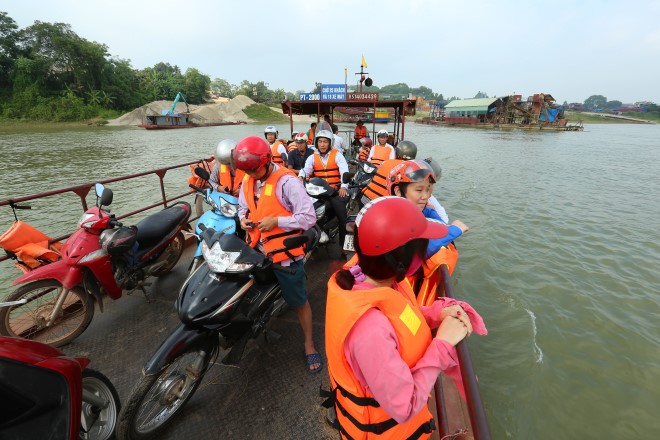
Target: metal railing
{"x": 82, "y": 191}
{"x": 478, "y": 421}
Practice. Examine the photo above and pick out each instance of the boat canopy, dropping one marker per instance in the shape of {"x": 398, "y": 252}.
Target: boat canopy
{"x": 402, "y": 108}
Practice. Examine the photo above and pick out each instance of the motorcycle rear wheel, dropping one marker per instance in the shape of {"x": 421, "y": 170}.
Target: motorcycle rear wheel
{"x": 103, "y": 421}
{"x": 172, "y": 254}
{"x": 29, "y": 320}
{"x": 157, "y": 398}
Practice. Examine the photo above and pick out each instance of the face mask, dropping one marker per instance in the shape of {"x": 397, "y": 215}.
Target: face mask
{"x": 415, "y": 264}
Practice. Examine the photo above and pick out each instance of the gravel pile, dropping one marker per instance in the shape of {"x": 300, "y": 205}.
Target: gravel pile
{"x": 230, "y": 111}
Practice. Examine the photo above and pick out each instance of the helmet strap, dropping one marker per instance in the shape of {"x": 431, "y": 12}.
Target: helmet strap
{"x": 269, "y": 171}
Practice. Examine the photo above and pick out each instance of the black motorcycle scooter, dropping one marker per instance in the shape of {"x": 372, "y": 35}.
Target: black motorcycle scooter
{"x": 224, "y": 303}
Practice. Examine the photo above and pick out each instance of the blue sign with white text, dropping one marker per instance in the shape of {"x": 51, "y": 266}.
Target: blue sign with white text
{"x": 310, "y": 97}
{"x": 333, "y": 92}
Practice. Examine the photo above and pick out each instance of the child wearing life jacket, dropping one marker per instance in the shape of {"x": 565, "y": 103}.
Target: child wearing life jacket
{"x": 414, "y": 180}
{"x": 382, "y": 357}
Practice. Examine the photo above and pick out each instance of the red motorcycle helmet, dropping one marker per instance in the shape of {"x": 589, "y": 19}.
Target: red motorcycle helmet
{"x": 366, "y": 142}
{"x": 387, "y": 223}
{"x": 408, "y": 172}
{"x": 251, "y": 153}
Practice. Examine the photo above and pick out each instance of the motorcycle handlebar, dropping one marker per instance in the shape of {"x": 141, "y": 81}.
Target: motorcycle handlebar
{"x": 197, "y": 188}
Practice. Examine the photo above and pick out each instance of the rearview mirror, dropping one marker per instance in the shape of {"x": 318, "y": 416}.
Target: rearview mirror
{"x": 106, "y": 197}
{"x": 201, "y": 172}
{"x": 99, "y": 189}
{"x": 347, "y": 177}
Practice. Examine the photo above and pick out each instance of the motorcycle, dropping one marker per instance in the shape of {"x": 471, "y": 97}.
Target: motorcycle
{"x": 364, "y": 173}
{"x": 46, "y": 394}
{"x": 349, "y": 245}
{"x": 226, "y": 302}
{"x": 320, "y": 192}
{"x": 223, "y": 215}
{"x": 101, "y": 258}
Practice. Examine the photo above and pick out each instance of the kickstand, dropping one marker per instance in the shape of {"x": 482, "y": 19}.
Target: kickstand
{"x": 144, "y": 292}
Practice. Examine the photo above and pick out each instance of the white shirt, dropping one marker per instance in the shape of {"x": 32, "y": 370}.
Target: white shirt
{"x": 392, "y": 153}
{"x": 435, "y": 204}
{"x": 308, "y": 169}
{"x": 281, "y": 148}
{"x": 339, "y": 143}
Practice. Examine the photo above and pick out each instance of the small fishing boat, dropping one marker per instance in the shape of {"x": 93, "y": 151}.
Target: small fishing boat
{"x": 179, "y": 120}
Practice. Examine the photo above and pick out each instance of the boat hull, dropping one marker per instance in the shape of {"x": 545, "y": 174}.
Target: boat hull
{"x": 212, "y": 124}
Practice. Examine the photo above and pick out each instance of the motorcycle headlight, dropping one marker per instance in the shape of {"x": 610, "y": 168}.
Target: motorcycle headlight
{"x": 320, "y": 211}
{"x": 99, "y": 253}
{"x": 368, "y": 168}
{"x": 228, "y": 209}
{"x": 220, "y": 261}
{"x": 88, "y": 220}
{"x": 314, "y": 190}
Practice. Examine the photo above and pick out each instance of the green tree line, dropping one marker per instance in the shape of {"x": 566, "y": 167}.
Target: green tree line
{"x": 48, "y": 72}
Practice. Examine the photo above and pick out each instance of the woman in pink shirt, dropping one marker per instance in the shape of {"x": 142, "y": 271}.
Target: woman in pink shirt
{"x": 382, "y": 357}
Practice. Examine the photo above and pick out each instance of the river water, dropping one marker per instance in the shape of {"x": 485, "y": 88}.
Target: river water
{"x": 561, "y": 259}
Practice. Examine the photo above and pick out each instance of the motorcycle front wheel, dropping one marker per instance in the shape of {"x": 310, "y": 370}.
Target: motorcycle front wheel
{"x": 98, "y": 422}
{"x": 29, "y": 320}
{"x": 157, "y": 398}
{"x": 171, "y": 255}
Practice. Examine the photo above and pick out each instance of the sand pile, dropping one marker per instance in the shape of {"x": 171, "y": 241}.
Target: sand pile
{"x": 230, "y": 111}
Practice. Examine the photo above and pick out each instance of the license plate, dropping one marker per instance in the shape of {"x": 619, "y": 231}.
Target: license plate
{"x": 348, "y": 243}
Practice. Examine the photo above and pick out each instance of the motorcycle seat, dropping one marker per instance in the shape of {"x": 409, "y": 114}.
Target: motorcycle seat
{"x": 153, "y": 228}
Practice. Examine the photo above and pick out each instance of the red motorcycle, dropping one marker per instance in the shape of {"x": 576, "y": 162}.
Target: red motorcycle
{"x": 55, "y": 302}
{"x": 45, "y": 394}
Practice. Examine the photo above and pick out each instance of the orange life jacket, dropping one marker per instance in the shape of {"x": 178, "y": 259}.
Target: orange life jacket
{"x": 428, "y": 285}
{"x": 380, "y": 155}
{"x": 30, "y": 245}
{"x": 378, "y": 185}
{"x": 277, "y": 159}
{"x": 358, "y": 413}
{"x": 329, "y": 172}
{"x": 310, "y": 136}
{"x": 195, "y": 179}
{"x": 360, "y": 132}
{"x": 225, "y": 179}
{"x": 269, "y": 206}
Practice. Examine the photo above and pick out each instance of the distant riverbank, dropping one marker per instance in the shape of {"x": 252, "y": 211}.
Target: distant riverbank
{"x": 587, "y": 118}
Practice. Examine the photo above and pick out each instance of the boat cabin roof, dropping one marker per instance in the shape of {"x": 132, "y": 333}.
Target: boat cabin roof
{"x": 404, "y": 106}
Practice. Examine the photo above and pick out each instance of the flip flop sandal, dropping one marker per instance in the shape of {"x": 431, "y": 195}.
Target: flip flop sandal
{"x": 311, "y": 359}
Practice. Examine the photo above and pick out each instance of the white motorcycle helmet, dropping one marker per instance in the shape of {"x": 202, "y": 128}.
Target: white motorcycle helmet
{"x": 324, "y": 134}
{"x": 382, "y": 133}
{"x": 271, "y": 129}
{"x": 223, "y": 151}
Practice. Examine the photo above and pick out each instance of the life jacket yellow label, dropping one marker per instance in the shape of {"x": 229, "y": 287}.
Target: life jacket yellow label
{"x": 268, "y": 189}
{"x": 410, "y": 319}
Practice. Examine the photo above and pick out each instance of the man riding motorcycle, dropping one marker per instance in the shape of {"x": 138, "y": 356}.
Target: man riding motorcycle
{"x": 330, "y": 165}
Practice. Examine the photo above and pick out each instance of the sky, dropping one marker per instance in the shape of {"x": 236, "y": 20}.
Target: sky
{"x": 571, "y": 50}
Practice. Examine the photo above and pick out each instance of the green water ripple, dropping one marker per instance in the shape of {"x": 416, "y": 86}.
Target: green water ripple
{"x": 561, "y": 259}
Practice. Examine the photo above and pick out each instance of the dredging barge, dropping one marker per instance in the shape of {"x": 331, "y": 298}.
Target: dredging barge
{"x": 538, "y": 112}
